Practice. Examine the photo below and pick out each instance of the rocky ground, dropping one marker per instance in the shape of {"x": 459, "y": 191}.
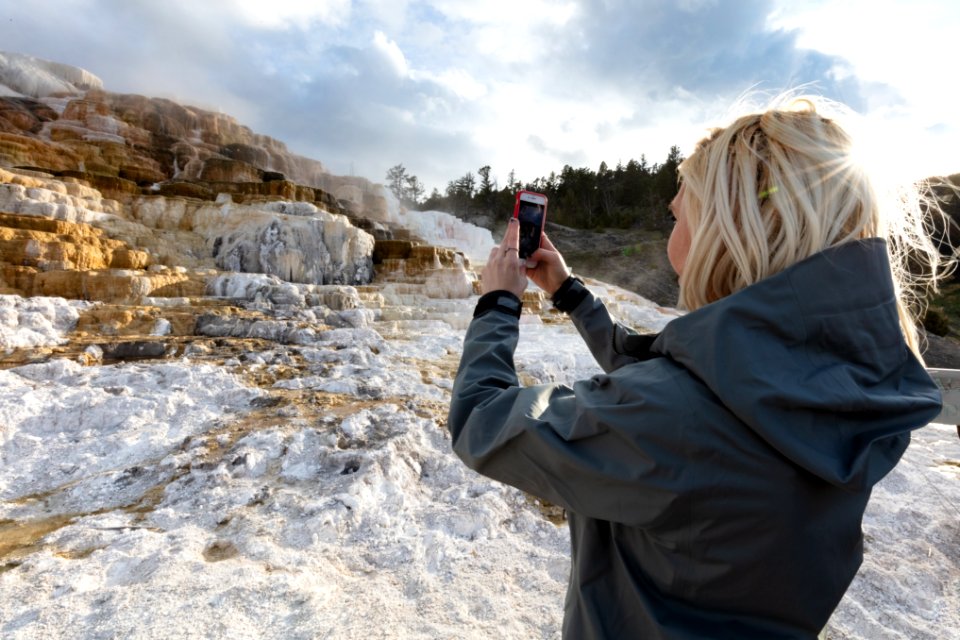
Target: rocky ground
{"x": 283, "y": 476}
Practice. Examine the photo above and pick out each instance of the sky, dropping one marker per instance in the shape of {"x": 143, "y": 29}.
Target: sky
{"x": 444, "y": 87}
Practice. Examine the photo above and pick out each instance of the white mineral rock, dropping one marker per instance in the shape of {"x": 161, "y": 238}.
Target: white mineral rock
{"x": 308, "y": 246}
{"x": 23, "y": 75}
{"x": 441, "y": 229}
{"x": 37, "y": 322}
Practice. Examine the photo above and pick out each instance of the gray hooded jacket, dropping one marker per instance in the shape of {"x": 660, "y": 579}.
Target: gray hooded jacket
{"x": 715, "y": 477}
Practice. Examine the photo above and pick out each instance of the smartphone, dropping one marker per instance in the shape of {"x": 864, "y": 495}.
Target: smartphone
{"x": 530, "y": 210}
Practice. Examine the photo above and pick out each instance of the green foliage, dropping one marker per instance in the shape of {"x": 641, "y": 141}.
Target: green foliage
{"x": 461, "y": 193}
{"x": 936, "y": 321}
{"x": 631, "y": 195}
{"x": 407, "y": 188}
{"x": 943, "y": 313}
{"x": 435, "y": 201}
{"x": 634, "y": 195}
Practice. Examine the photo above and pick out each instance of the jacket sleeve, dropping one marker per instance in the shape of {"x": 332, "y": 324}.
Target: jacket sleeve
{"x": 612, "y": 344}
{"x": 583, "y": 447}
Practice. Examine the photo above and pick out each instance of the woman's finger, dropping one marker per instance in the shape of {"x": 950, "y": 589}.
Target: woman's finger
{"x": 513, "y": 235}
{"x": 511, "y": 238}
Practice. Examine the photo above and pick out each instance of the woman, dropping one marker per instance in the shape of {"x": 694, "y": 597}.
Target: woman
{"x": 716, "y": 475}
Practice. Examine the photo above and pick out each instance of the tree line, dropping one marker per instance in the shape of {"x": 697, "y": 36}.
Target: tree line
{"x": 635, "y": 194}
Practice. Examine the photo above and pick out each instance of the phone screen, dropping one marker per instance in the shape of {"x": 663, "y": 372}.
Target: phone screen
{"x": 530, "y": 217}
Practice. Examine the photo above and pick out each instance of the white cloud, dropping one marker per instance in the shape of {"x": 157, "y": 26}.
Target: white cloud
{"x": 692, "y": 6}
{"x": 389, "y": 14}
{"x": 506, "y": 31}
{"x": 506, "y": 12}
{"x": 391, "y": 51}
{"x": 283, "y": 14}
{"x": 900, "y": 53}
{"x": 460, "y": 82}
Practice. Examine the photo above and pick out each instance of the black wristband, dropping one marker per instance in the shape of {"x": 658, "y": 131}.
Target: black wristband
{"x": 501, "y": 300}
{"x": 570, "y": 294}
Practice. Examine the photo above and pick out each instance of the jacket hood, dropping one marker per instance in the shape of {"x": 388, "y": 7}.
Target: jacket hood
{"x": 813, "y": 360}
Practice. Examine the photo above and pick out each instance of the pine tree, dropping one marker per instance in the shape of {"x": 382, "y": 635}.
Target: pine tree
{"x": 397, "y": 180}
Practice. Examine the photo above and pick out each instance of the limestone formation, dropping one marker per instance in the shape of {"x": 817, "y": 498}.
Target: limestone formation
{"x": 23, "y": 115}
{"x": 140, "y": 142}
{"x": 316, "y": 249}
{"x": 296, "y": 241}
{"x": 180, "y": 224}
{"x": 166, "y": 271}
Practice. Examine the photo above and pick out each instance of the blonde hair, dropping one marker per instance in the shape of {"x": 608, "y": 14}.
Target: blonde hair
{"x": 778, "y": 186}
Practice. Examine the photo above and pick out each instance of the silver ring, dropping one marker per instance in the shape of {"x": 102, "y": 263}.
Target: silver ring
{"x": 511, "y": 249}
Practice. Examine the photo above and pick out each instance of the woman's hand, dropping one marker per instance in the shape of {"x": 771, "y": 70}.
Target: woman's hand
{"x": 546, "y": 267}
{"x": 505, "y": 270}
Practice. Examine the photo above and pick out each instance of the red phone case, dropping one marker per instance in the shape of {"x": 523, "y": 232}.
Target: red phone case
{"x": 516, "y": 203}
{"x": 530, "y": 236}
